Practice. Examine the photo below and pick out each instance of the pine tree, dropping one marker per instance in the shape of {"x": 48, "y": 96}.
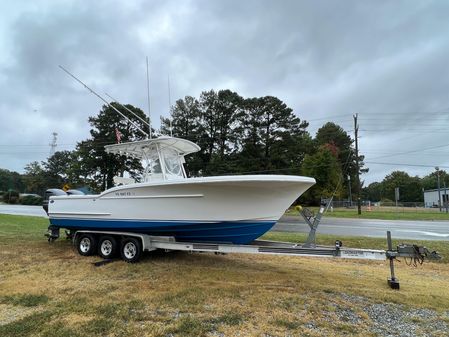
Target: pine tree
{"x": 101, "y": 167}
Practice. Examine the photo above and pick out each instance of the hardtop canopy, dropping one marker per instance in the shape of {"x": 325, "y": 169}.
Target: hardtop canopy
{"x": 143, "y": 148}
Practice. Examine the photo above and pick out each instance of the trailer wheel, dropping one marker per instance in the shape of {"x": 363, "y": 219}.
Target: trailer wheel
{"x": 86, "y": 244}
{"x": 131, "y": 250}
{"x": 107, "y": 247}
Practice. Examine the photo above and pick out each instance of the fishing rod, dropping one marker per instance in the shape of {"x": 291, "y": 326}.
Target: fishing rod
{"x": 111, "y": 106}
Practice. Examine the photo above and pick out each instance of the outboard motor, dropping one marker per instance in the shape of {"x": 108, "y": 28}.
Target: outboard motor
{"x": 49, "y": 193}
{"x": 75, "y": 192}
{"x": 53, "y": 232}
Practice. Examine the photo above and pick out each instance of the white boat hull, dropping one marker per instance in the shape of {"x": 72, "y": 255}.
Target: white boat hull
{"x": 235, "y": 209}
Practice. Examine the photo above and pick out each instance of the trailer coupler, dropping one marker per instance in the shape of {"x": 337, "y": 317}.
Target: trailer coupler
{"x": 413, "y": 255}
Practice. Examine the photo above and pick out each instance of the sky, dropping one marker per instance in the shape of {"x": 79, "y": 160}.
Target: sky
{"x": 387, "y": 61}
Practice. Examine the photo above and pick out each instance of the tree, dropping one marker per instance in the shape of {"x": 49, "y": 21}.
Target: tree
{"x": 410, "y": 187}
{"x": 336, "y": 137}
{"x": 325, "y": 168}
{"x": 273, "y": 138}
{"x": 373, "y": 192}
{"x": 186, "y": 123}
{"x": 37, "y": 180}
{"x": 185, "y": 119}
{"x": 227, "y": 108}
{"x": 66, "y": 168}
{"x": 99, "y": 167}
{"x": 239, "y": 135}
{"x": 219, "y": 113}
{"x": 11, "y": 197}
{"x": 58, "y": 164}
{"x": 10, "y": 180}
{"x": 430, "y": 181}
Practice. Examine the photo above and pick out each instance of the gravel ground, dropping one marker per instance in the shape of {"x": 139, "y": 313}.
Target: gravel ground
{"x": 396, "y": 320}
{"x": 381, "y": 319}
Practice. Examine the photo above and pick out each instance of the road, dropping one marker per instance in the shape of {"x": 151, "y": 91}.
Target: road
{"x": 22, "y": 210}
{"x": 400, "y": 229}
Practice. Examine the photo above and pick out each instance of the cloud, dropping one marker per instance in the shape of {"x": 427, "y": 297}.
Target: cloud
{"x": 385, "y": 60}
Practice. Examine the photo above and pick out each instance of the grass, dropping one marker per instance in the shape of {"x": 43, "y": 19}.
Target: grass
{"x": 26, "y": 300}
{"x": 49, "y": 290}
{"x": 383, "y": 213}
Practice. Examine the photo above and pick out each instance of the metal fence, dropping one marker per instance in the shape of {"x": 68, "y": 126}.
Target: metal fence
{"x": 386, "y": 206}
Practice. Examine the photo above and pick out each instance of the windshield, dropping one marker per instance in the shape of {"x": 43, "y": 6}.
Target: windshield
{"x": 155, "y": 166}
{"x": 153, "y": 170}
{"x": 173, "y": 165}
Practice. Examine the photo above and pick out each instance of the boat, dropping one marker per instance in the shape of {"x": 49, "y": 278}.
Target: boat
{"x": 233, "y": 209}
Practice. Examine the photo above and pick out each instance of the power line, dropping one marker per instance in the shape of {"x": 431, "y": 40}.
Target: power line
{"x": 404, "y": 164}
{"x": 413, "y": 154}
{"x": 396, "y": 131}
{"x": 328, "y": 117}
{"x": 413, "y": 151}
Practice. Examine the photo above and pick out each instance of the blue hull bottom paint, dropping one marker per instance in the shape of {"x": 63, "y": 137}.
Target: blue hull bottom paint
{"x": 236, "y": 232}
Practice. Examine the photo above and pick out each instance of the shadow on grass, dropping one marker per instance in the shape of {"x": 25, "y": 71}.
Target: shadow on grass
{"x": 25, "y": 300}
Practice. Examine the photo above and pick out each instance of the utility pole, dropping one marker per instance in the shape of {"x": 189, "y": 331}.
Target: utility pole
{"x": 438, "y": 186}
{"x": 350, "y": 194}
{"x": 356, "y": 135}
{"x": 445, "y": 198}
{"x": 53, "y": 144}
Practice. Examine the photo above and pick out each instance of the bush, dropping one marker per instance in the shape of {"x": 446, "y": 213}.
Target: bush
{"x": 11, "y": 197}
{"x": 31, "y": 200}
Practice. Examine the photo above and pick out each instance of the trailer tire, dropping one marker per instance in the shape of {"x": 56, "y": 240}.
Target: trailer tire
{"x": 86, "y": 244}
{"x": 107, "y": 247}
{"x": 131, "y": 250}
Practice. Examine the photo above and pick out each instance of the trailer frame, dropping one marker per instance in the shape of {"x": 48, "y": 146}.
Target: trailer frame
{"x": 168, "y": 243}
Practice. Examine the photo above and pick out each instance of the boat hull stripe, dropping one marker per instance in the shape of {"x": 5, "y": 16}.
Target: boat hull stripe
{"x": 237, "y": 232}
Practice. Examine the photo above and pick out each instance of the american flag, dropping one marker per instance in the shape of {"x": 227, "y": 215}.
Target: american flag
{"x": 118, "y": 135}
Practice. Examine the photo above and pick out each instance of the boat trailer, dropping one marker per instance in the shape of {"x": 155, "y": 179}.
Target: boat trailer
{"x": 132, "y": 244}
{"x": 416, "y": 254}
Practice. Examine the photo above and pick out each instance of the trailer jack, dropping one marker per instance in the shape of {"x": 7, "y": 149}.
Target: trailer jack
{"x": 412, "y": 254}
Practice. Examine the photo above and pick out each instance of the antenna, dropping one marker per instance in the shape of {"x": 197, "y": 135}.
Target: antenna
{"x": 169, "y": 106}
{"x": 53, "y": 144}
{"x": 124, "y": 107}
{"x": 111, "y": 106}
{"x": 148, "y": 92}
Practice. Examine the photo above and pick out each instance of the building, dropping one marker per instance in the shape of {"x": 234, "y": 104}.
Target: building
{"x": 431, "y": 197}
